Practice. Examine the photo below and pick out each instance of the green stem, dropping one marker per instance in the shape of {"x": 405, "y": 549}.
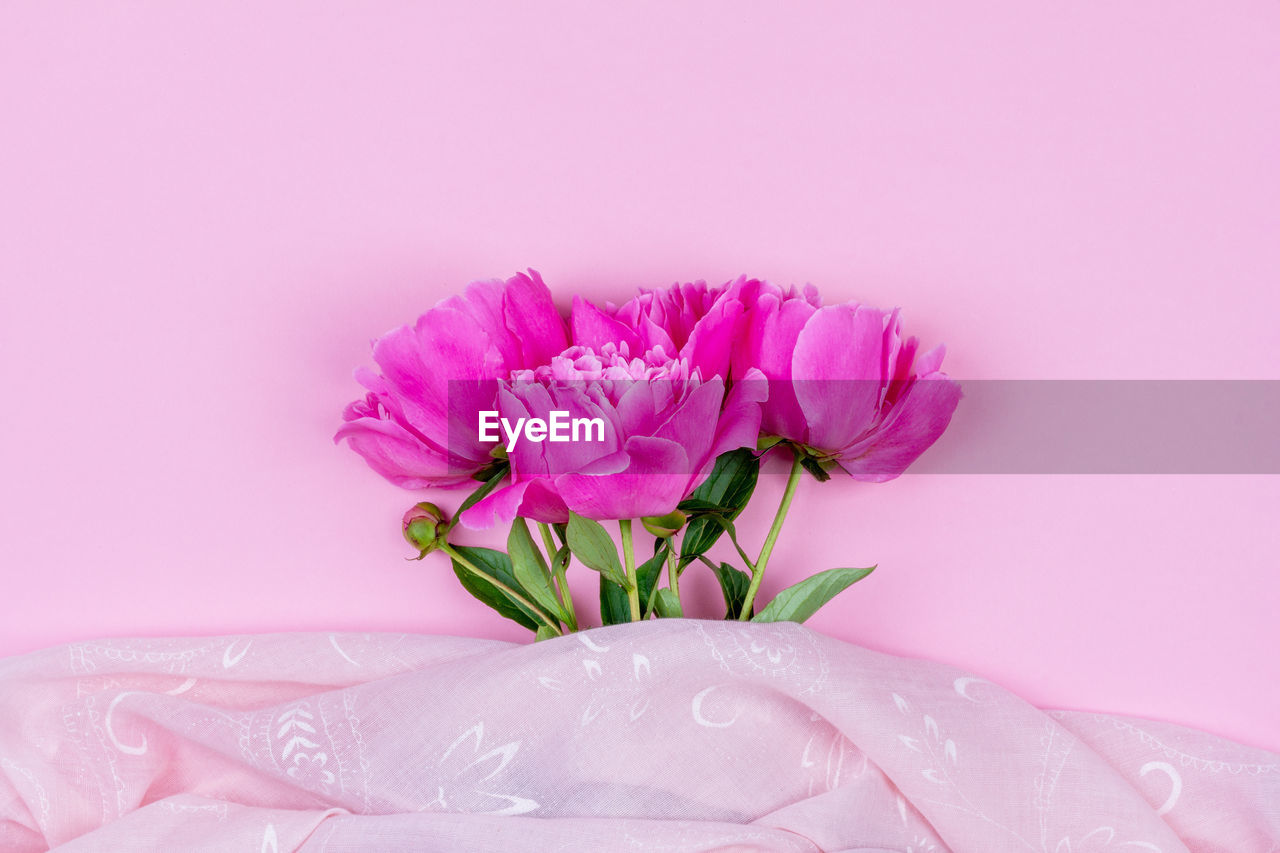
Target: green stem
{"x": 558, "y": 568}
{"x": 673, "y": 574}
{"x": 629, "y": 564}
{"x": 538, "y": 612}
{"x": 757, "y": 571}
{"x": 548, "y": 541}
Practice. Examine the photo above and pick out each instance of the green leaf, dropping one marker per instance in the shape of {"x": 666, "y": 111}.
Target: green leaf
{"x": 594, "y": 547}
{"x": 733, "y": 585}
{"x": 726, "y": 526}
{"x": 544, "y": 632}
{"x": 530, "y": 568}
{"x": 668, "y": 605}
{"x": 693, "y": 505}
{"x": 499, "y": 472}
{"x": 731, "y": 481}
{"x": 798, "y": 602}
{"x": 648, "y": 572}
{"x": 497, "y": 565}
{"x": 614, "y": 607}
{"x": 728, "y": 488}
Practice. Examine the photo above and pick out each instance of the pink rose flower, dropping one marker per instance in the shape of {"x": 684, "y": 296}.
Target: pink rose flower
{"x": 842, "y": 380}
{"x": 416, "y": 426}
{"x": 663, "y": 427}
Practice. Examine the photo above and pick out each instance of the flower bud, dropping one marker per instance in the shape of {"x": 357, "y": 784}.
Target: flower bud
{"x": 424, "y": 527}
{"x": 664, "y": 526}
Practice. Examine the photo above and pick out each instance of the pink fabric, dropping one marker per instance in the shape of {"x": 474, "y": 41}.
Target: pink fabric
{"x": 675, "y": 735}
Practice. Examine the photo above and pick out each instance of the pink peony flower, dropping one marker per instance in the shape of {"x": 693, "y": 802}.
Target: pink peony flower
{"x": 663, "y": 427}
{"x": 843, "y": 381}
{"x": 688, "y": 321}
{"x": 416, "y": 426}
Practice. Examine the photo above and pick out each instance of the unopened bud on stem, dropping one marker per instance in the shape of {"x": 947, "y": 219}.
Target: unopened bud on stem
{"x": 664, "y": 526}
{"x": 424, "y": 527}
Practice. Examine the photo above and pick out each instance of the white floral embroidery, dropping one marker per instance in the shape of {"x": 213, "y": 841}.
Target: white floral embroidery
{"x": 465, "y": 772}
{"x": 305, "y": 762}
{"x": 788, "y": 652}
{"x": 615, "y": 685}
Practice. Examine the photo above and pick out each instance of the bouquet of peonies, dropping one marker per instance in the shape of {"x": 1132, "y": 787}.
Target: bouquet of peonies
{"x": 658, "y": 411}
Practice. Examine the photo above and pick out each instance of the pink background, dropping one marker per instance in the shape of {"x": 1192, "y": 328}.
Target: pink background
{"x": 207, "y": 215}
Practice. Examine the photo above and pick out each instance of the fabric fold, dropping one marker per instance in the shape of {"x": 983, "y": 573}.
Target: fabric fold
{"x": 669, "y": 735}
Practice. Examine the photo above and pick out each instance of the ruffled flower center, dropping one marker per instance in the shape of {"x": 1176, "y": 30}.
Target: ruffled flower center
{"x": 611, "y": 362}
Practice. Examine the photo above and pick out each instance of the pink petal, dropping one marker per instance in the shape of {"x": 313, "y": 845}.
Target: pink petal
{"x": 527, "y": 459}
{"x": 547, "y": 458}
{"x": 653, "y": 483}
{"x": 837, "y": 370}
{"x": 712, "y": 341}
{"x": 437, "y": 373}
{"x": 739, "y": 424}
{"x": 692, "y": 425}
{"x": 534, "y": 499}
{"x": 594, "y": 328}
{"x": 931, "y": 362}
{"x": 771, "y": 330}
{"x": 480, "y": 307}
{"x": 913, "y": 425}
{"x": 652, "y": 335}
{"x": 639, "y": 406}
{"x": 532, "y": 318}
{"x": 398, "y": 456}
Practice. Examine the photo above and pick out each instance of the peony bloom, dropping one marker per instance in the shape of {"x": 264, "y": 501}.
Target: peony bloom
{"x": 843, "y": 381}
{"x": 689, "y": 321}
{"x": 663, "y": 427}
{"x": 416, "y": 426}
